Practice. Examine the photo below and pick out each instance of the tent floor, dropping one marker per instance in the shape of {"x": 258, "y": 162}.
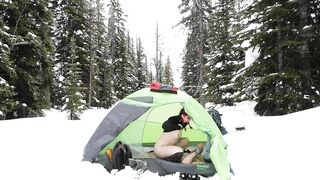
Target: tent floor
{"x": 163, "y": 167}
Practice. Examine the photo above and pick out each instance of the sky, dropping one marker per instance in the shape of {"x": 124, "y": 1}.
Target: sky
{"x": 142, "y": 18}
{"x": 51, "y": 147}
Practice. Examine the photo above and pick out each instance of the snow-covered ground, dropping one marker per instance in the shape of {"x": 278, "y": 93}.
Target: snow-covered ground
{"x": 279, "y": 147}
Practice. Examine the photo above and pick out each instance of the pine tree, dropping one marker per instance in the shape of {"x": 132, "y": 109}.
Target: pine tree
{"x": 132, "y": 68}
{"x": 104, "y": 97}
{"x": 283, "y": 68}
{"x": 7, "y": 72}
{"x": 167, "y": 73}
{"x": 142, "y": 68}
{"x": 190, "y": 69}
{"x": 28, "y": 23}
{"x": 6, "y": 97}
{"x": 73, "y": 101}
{"x": 117, "y": 50}
{"x": 56, "y": 31}
{"x": 93, "y": 48}
{"x": 226, "y": 56}
{"x": 311, "y": 32}
{"x": 72, "y": 20}
{"x": 196, "y": 46}
{"x": 98, "y": 52}
{"x": 149, "y": 74}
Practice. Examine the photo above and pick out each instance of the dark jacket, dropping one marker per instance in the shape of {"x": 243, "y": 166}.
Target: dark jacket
{"x": 172, "y": 124}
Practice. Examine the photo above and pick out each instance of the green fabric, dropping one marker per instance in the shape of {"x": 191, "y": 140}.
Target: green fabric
{"x": 218, "y": 152}
{"x": 147, "y": 128}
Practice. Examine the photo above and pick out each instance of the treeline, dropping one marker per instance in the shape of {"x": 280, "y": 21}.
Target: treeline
{"x": 68, "y": 55}
{"x": 71, "y": 56}
{"x": 284, "y": 78}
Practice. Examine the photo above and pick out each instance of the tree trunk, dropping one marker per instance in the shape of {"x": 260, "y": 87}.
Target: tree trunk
{"x": 303, "y": 12}
{"x": 92, "y": 53}
{"x": 198, "y": 3}
{"x": 279, "y": 40}
{"x": 157, "y": 61}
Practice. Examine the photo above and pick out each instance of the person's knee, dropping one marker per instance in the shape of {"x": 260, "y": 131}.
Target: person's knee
{"x": 179, "y": 149}
{"x": 184, "y": 142}
{"x": 188, "y": 158}
{"x": 165, "y": 151}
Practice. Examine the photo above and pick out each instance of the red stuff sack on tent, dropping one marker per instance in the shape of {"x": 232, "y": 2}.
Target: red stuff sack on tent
{"x": 158, "y": 87}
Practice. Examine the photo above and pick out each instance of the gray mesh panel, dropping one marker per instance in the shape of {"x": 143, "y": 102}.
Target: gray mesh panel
{"x": 116, "y": 120}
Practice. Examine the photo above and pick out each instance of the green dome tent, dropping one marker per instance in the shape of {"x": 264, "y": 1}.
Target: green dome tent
{"x": 136, "y": 120}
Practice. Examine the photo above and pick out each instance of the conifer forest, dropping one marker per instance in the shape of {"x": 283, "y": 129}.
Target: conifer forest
{"x": 77, "y": 54}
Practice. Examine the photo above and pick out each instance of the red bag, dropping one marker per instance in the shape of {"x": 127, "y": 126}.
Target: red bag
{"x": 158, "y": 87}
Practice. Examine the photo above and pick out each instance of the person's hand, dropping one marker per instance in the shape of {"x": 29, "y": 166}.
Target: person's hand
{"x": 199, "y": 148}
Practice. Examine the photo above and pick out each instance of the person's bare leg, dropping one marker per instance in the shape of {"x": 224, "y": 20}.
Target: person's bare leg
{"x": 183, "y": 143}
{"x": 188, "y": 158}
{"x": 166, "y": 151}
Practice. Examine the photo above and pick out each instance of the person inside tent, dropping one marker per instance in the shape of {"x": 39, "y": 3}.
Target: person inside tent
{"x": 171, "y": 146}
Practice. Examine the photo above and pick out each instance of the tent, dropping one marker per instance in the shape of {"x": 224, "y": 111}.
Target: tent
{"x": 136, "y": 120}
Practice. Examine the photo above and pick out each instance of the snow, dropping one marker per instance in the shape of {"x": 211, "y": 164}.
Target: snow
{"x": 79, "y": 32}
{"x": 307, "y": 27}
{"x": 50, "y": 147}
{"x": 218, "y": 65}
{"x": 2, "y": 81}
{"x": 279, "y": 147}
{"x": 32, "y": 35}
{"x": 251, "y": 55}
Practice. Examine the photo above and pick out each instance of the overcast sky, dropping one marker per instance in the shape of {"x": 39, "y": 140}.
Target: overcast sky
{"x": 142, "y": 17}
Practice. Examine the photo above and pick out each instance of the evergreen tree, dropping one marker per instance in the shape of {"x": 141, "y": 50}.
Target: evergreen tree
{"x": 56, "y": 90}
{"x": 283, "y": 68}
{"x": 196, "y": 21}
{"x": 190, "y": 69}
{"x": 226, "y": 56}
{"x": 142, "y": 69}
{"x": 132, "y": 68}
{"x": 28, "y": 23}
{"x": 7, "y": 72}
{"x": 72, "y": 20}
{"x": 6, "y": 97}
{"x": 167, "y": 73}
{"x": 93, "y": 49}
{"x": 117, "y": 50}
{"x": 98, "y": 54}
{"x": 311, "y": 33}
{"x": 105, "y": 95}
{"x": 149, "y": 74}
{"x": 73, "y": 101}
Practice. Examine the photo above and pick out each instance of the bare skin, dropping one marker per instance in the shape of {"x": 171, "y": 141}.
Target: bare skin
{"x": 171, "y": 142}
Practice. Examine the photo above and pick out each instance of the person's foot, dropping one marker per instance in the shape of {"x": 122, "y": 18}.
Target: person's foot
{"x": 199, "y": 149}
{"x": 186, "y": 151}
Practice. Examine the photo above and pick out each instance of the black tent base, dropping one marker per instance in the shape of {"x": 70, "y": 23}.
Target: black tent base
{"x": 162, "y": 167}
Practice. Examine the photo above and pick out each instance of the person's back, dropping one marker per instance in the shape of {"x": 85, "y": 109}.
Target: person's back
{"x": 170, "y": 145}
{"x": 169, "y": 138}
{"x": 167, "y": 143}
